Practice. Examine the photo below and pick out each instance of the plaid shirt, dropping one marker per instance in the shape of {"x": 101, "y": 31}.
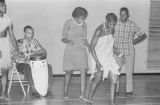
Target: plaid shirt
{"x": 124, "y": 36}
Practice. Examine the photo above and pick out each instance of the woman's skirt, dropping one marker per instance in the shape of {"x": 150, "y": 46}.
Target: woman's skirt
{"x": 75, "y": 58}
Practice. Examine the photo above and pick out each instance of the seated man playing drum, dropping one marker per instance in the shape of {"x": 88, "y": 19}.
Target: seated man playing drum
{"x": 28, "y": 46}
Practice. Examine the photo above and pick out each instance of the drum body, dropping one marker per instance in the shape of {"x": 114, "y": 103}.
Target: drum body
{"x": 39, "y": 69}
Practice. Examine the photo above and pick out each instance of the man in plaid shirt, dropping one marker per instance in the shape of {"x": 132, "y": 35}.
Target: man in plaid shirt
{"x": 127, "y": 34}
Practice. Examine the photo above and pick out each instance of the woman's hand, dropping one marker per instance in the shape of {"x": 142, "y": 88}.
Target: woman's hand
{"x": 67, "y": 41}
{"x": 70, "y": 42}
{"x": 89, "y": 49}
{"x": 98, "y": 67}
{"x": 87, "y": 44}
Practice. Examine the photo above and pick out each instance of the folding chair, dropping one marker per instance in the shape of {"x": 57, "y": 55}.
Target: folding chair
{"x": 22, "y": 82}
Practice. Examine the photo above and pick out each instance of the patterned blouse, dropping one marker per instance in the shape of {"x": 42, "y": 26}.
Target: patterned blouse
{"x": 27, "y": 48}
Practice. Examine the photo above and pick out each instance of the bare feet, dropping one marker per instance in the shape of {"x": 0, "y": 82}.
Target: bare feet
{"x": 83, "y": 98}
{"x": 4, "y": 98}
{"x": 66, "y": 97}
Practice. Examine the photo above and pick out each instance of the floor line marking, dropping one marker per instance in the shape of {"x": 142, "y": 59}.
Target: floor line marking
{"x": 31, "y": 101}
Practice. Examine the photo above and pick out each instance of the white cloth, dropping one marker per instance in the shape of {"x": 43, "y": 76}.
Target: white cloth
{"x": 40, "y": 76}
{"x": 104, "y": 52}
{"x": 5, "y": 21}
{"x": 5, "y": 59}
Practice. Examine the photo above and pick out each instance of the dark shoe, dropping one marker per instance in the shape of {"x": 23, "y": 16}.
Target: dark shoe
{"x": 117, "y": 93}
{"x": 34, "y": 91}
{"x": 50, "y": 93}
{"x": 129, "y": 93}
{"x": 35, "y": 94}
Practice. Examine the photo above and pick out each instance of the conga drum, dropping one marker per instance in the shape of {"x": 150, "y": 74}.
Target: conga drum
{"x": 39, "y": 69}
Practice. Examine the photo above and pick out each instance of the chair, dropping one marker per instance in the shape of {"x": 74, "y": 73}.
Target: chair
{"x": 22, "y": 82}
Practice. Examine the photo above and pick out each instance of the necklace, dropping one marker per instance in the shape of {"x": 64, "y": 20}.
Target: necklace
{"x": 106, "y": 30}
{"x": 77, "y": 23}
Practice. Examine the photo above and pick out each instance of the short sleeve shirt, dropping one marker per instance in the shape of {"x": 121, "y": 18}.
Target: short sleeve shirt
{"x": 124, "y": 36}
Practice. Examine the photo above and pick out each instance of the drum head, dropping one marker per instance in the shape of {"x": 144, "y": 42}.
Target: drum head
{"x": 37, "y": 57}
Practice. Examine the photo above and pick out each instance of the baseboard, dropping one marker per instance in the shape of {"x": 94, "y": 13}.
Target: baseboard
{"x": 123, "y": 74}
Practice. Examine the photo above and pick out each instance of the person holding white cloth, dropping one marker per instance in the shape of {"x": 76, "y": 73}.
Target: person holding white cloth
{"x": 7, "y": 43}
{"x": 103, "y": 62}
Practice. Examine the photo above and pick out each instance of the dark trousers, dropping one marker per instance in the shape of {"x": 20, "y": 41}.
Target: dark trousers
{"x": 25, "y": 69}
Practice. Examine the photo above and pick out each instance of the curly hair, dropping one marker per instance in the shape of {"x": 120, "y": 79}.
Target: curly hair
{"x": 28, "y": 27}
{"x": 79, "y": 11}
{"x": 111, "y": 17}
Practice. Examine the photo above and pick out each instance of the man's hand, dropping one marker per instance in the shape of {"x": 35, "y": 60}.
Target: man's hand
{"x": 120, "y": 60}
{"x": 139, "y": 39}
{"x": 15, "y": 55}
{"x": 123, "y": 60}
{"x": 26, "y": 59}
{"x": 38, "y": 52}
